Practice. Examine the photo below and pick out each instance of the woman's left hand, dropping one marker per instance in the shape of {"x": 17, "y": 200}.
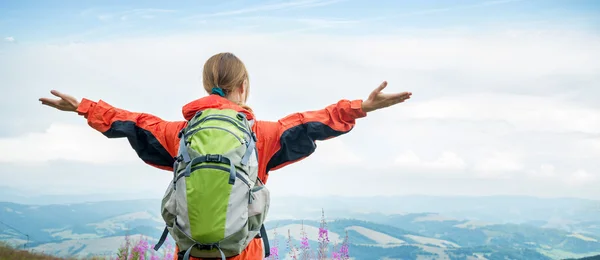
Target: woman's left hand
{"x": 64, "y": 102}
{"x": 379, "y": 100}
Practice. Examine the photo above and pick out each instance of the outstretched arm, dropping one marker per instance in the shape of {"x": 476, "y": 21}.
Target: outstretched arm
{"x": 153, "y": 139}
{"x": 293, "y": 138}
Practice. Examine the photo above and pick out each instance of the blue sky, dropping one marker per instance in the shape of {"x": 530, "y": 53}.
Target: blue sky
{"x": 32, "y": 21}
{"x": 505, "y": 93}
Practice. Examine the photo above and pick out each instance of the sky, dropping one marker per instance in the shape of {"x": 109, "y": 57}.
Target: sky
{"x": 505, "y": 92}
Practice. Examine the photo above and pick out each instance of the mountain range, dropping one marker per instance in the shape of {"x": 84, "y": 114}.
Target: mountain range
{"x": 407, "y": 227}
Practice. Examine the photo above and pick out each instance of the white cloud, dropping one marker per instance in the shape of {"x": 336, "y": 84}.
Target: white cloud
{"x": 66, "y": 142}
{"x": 580, "y": 177}
{"x": 323, "y": 23}
{"x": 81, "y": 143}
{"x": 335, "y": 151}
{"x": 269, "y": 7}
{"x": 591, "y": 146}
{"x": 484, "y": 106}
{"x": 446, "y": 161}
{"x": 456, "y": 7}
{"x": 523, "y": 112}
{"x": 9, "y": 39}
{"x": 105, "y": 17}
{"x": 72, "y": 177}
{"x": 496, "y": 54}
{"x": 145, "y": 13}
{"x": 500, "y": 165}
{"x": 545, "y": 172}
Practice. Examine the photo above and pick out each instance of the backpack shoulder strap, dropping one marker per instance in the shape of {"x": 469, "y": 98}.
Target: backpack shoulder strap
{"x": 263, "y": 236}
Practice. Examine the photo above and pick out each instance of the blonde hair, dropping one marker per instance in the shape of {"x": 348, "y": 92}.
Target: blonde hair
{"x": 226, "y": 71}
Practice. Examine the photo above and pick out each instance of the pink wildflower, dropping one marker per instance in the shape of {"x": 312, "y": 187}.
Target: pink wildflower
{"x": 335, "y": 256}
{"x": 140, "y": 249}
{"x": 323, "y": 237}
{"x": 290, "y": 246}
{"x": 169, "y": 250}
{"x": 344, "y": 254}
{"x": 274, "y": 252}
{"x": 304, "y": 245}
{"x": 323, "y": 234}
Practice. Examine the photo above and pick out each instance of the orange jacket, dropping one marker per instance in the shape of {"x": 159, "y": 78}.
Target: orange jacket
{"x": 280, "y": 143}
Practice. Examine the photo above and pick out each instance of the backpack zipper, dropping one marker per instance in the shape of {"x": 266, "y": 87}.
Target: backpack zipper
{"x": 216, "y": 167}
{"x": 221, "y": 118}
{"x": 215, "y": 127}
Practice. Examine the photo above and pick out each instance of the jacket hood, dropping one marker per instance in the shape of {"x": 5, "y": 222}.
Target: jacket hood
{"x": 215, "y": 102}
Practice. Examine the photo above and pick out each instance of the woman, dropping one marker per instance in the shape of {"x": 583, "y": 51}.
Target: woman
{"x": 225, "y": 78}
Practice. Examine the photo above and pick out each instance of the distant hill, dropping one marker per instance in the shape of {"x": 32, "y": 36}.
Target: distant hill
{"x": 433, "y": 237}
{"x": 564, "y": 213}
{"x": 555, "y": 212}
{"x": 596, "y": 257}
{"x": 98, "y": 228}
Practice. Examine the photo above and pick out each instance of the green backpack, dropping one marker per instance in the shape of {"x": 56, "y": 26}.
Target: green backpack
{"x": 216, "y": 204}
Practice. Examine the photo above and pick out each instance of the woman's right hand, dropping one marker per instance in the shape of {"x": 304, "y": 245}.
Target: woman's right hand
{"x": 64, "y": 102}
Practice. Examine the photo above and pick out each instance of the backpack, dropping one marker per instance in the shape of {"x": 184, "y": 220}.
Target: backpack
{"x": 216, "y": 204}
